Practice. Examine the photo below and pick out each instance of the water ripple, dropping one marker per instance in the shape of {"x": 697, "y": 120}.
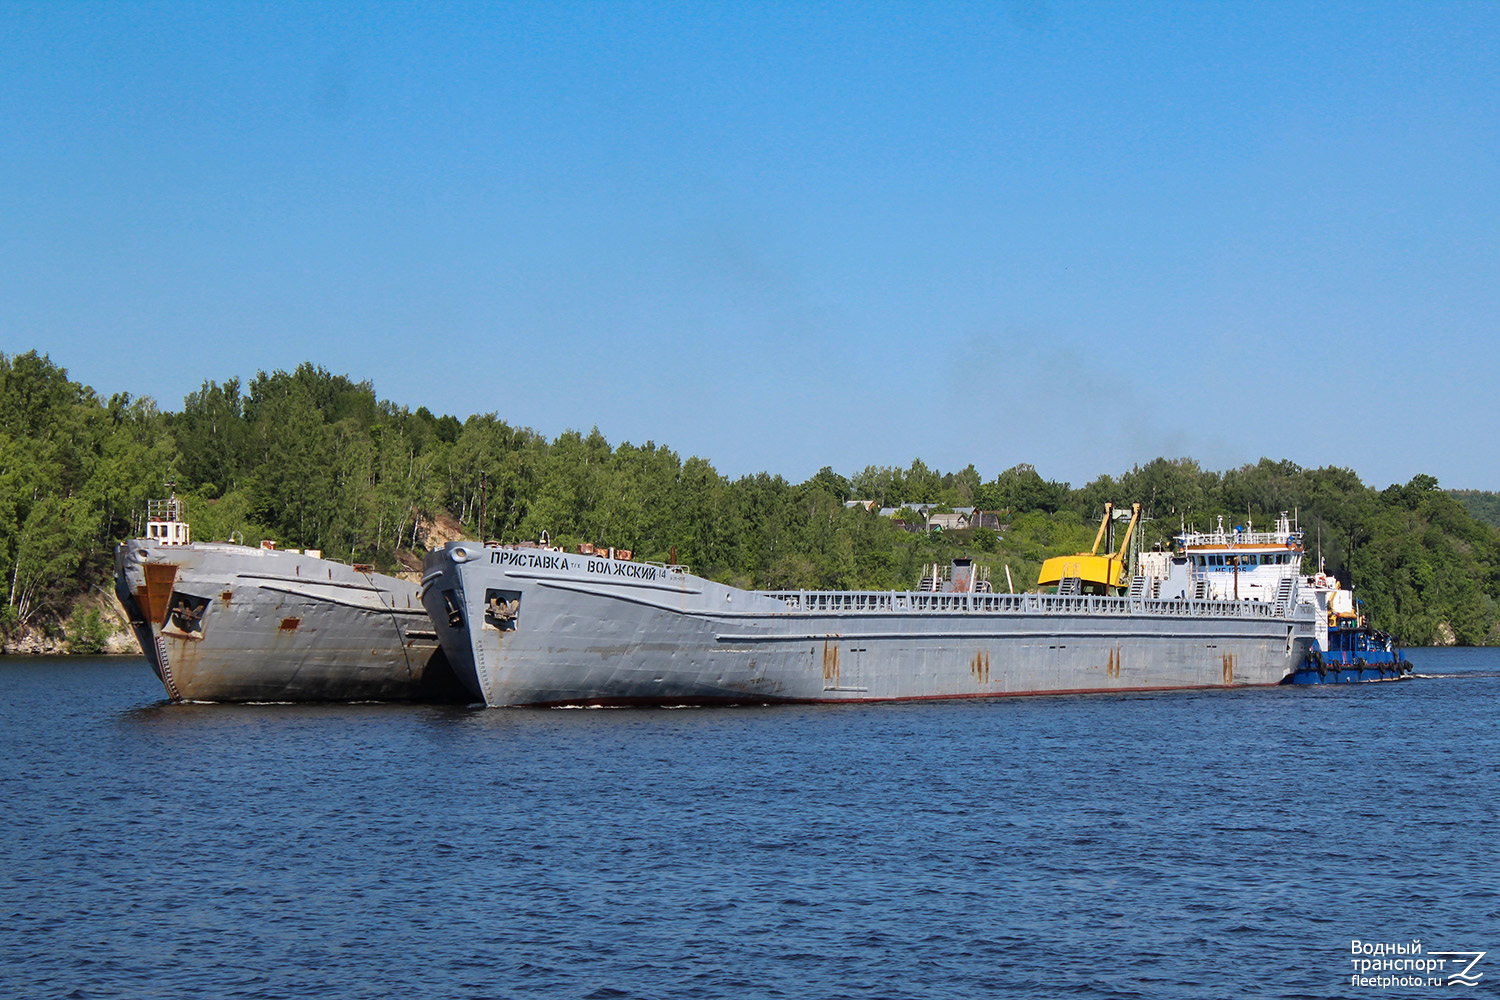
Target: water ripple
{"x": 1172, "y": 845}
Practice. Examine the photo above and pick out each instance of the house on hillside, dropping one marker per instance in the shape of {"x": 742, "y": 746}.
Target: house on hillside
{"x": 985, "y": 519}
{"x": 949, "y": 519}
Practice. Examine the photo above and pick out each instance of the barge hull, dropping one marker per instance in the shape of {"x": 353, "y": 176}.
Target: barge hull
{"x": 231, "y": 623}
{"x": 569, "y": 630}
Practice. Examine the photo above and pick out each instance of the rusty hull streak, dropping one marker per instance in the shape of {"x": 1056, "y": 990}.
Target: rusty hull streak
{"x": 1228, "y": 668}
{"x": 830, "y": 662}
{"x": 980, "y": 666}
{"x": 1113, "y": 668}
{"x": 186, "y": 660}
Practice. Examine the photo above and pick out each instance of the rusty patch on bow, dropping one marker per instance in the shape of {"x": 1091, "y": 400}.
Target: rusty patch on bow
{"x": 158, "y": 591}
{"x": 290, "y": 624}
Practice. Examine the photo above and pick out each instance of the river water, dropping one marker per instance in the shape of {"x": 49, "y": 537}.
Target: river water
{"x": 1225, "y": 843}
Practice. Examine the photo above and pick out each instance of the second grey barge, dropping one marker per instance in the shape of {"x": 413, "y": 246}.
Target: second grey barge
{"x": 224, "y": 622}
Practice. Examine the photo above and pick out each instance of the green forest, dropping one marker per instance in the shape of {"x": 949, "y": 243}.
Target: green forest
{"x": 1481, "y": 503}
{"x": 313, "y": 459}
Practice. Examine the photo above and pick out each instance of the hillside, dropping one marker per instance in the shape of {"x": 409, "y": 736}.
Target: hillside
{"x": 318, "y": 460}
{"x": 1481, "y": 504}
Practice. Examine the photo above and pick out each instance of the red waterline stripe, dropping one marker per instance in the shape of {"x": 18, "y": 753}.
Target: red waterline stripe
{"x": 645, "y": 702}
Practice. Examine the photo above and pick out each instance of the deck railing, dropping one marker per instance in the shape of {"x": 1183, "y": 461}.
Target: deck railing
{"x": 898, "y": 602}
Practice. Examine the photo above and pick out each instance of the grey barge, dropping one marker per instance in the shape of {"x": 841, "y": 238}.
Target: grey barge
{"x": 225, "y": 622}
{"x": 537, "y": 626}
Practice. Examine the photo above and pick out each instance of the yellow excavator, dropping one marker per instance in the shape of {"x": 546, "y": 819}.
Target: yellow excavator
{"x": 1095, "y": 573}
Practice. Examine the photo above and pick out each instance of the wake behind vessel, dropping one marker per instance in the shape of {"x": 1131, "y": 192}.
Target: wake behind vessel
{"x": 224, "y": 622}
{"x": 538, "y": 626}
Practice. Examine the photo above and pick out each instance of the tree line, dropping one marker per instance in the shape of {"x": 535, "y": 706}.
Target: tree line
{"x": 317, "y": 460}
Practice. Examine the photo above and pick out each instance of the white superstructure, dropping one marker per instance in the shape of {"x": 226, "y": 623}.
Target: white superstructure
{"x": 1235, "y": 564}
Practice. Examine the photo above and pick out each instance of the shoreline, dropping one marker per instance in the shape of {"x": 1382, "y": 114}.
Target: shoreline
{"x": 33, "y": 641}
{"x": 69, "y": 656}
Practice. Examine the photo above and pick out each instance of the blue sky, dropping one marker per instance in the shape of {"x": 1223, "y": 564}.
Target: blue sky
{"x": 783, "y": 236}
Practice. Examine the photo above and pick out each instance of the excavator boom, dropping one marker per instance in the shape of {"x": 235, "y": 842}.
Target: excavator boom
{"x": 1135, "y": 516}
{"x": 1109, "y": 509}
{"x": 1095, "y": 573}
